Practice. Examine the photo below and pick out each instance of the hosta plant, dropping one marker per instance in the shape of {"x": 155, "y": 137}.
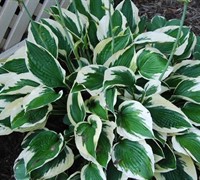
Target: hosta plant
{"x": 102, "y": 93}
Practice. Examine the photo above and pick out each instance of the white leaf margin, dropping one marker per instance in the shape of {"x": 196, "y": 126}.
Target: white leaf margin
{"x": 152, "y": 37}
{"x": 158, "y": 100}
{"x": 145, "y": 117}
{"x": 79, "y": 142}
{"x": 101, "y": 172}
{"x": 176, "y": 145}
{"x": 27, "y": 154}
{"x": 128, "y": 173}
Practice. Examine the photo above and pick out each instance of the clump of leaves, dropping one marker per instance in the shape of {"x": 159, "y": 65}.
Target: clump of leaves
{"x": 101, "y": 74}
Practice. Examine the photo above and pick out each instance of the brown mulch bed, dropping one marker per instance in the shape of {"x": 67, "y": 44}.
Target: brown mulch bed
{"x": 10, "y": 145}
{"x": 172, "y": 9}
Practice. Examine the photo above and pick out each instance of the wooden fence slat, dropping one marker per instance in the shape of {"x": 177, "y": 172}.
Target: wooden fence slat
{"x": 46, "y": 5}
{"x": 65, "y": 3}
{"x": 11, "y": 51}
{"x": 21, "y": 24}
{"x": 6, "y": 14}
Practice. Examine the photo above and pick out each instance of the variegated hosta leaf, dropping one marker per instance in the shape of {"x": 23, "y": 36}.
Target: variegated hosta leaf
{"x": 156, "y": 22}
{"x": 134, "y": 121}
{"x": 167, "y": 117}
{"x": 157, "y": 149}
{"x": 118, "y": 76}
{"x": 171, "y": 31}
{"x": 24, "y": 121}
{"x": 82, "y": 7}
{"x": 113, "y": 173}
{"x": 143, "y": 23}
{"x": 191, "y": 110}
{"x": 161, "y": 137}
{"x": 138, "y": 92}
{"x": 17, "y": 65}
{"x": 103, "y": 28}
{"x": 118, "y": 24}
{"x": 18, "y": 83}
{"x": 130, "y": 11}
{"x": 152, "y": 87}
{"x": 181, "y": 49}
{"x": 189, "y": 89}
{"x": 59, "y": 164}
{"x": 189, "y": 68}
{"x": 71, "y": 21}
{"x": 97, "y": 105}
{"x": 75, "y": 108}
{"x": 92, "y": 33}
{"x": 4, "y": 130}
{"x": 40, "y": 97}
{"x": 125, "y": 57}
{"x": 102, "y": 51}
{"x": 75, "y": 176}
{"x": 91, "y": 77}
{"x": 196, "y": 52}
{"x": 186, "y": 41}
{"x": 48, "y": 70}
{"x": 185, "y": 169}
{"x": 58, "y": 30}
{"x": 5, "y": 100}
{"x": 31, "y": 120}
{"x": 173, "y": 81}
{"x": 10, "y": 108}
{"x": 188, "y": 144}
{"x": 30, "y": 136}
{"x": 44, "y": 147}
{"x": 110, "y": 96}
{"x": 60, "y": 177}
{"x": 151, "y": 63}
{"x": 186, "y": 49}
{"x": 86, "y": 137}
{"x": 134, "y": 159}
{"x": 5, "y": 126}
{"x": 92, "y": 171}
{"x": 99, "y": 8}
{"x": 152, "y": 37}
{"x": 42, "y": 35}
{"x": 105, "y": 143}
{"x": 2, "y": 71}
{"x": 168, "y": 163}
{"x": 20, "y": 170}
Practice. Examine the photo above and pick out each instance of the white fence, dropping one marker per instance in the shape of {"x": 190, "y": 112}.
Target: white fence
{"x": 14, "y": 21}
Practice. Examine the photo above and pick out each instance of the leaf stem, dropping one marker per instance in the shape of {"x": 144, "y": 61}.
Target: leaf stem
{"x": 177, "y": 40}
{"x": 70, "y": 65}
{"x": 77, "y": 16}
{"x": 32, "y": 23}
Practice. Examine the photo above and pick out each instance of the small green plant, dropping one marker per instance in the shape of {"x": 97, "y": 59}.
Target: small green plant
{"x": 122, "y": 94}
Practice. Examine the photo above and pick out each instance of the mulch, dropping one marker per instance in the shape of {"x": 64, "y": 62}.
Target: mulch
{"x": 10, "y": 144}
{"x": 172, "y": 9}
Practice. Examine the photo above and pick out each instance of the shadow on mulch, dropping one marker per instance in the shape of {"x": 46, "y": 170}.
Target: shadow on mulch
{"x": 10, "y": 147}
{"x": 10, "y": 144}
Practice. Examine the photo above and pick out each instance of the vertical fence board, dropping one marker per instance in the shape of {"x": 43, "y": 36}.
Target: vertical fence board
{"x": 6, "y": 14}
{"x": 21, "y": 24}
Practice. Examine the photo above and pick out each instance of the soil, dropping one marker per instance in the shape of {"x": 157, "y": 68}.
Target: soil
{"x": 10, "y": 144}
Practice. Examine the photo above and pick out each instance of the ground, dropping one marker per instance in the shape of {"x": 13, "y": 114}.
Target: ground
{"x": 10, "y": 145}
